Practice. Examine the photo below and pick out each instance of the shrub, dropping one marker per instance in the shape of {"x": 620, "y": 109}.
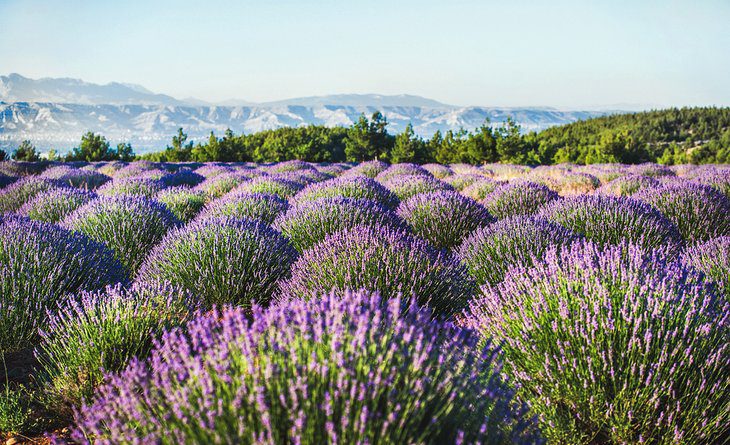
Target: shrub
{"x": 39, "y": 264}
{"x": 461, "y": 181}
{"x": 407, "y": 186}
{"x": 279, "y": 187}
{"x": 518, "y": 198}
{"x": 134, "y": 169}
{"x": 184, "y": 202}
{"x": 328, "y": 370}
{"x": 651, "y": 170}
{"x": 371, "y": 169}
{"x": 244, "y": 205}
{"x": 75, "y": 177}
{"x": 101, "y": 332}
{"x": 438, "y": 170}
{"x": 55, "y": 204}
{"x": 490, "y": 252}
{"x": 384, "y": 260}
{"x": 212, "y": 170}
{"x": 129, "y": 225}
{"x": 443, "y": 218}
{"x": 145, "y": 187}
{"x": 182, "y": 177}
{"x": 700, "y": 212}
{"x": 480, "y": 189}
{"x": 615, "y": 345}
{"x": 716, "y": 177}
{"x": 712, "y": 258}
{"x": 348, "y": 187}
{"x": 222, "y": 261}
{"x": 627, "y": 185}
{"x": 15, "y": 195}
{"x": 577, "y": 183}
{"x": 310, "y": 222}
{"x": 609, "y": 220}
{"x": 219, "y": 185}
{"x": 289, "y": 166}
{"x": 404, "y": 169}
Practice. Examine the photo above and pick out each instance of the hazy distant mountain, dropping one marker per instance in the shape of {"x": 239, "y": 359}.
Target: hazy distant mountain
{"x": 54, "y": 113}
{"x": 16, "y": 88}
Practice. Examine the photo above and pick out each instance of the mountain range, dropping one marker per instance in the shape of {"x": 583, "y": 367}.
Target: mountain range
{"x": 55, "y": 112}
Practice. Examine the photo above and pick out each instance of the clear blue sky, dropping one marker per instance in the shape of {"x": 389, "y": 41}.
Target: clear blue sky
{"x": 571, "y": 54}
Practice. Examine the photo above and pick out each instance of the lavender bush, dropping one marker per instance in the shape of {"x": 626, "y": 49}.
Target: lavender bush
{"x": 222, "y": 261}
{"x": 518, "y": 198}
{"x": 490, "y": 252}
{"x": 310, "y": 222}
{"x": 245, "y": 205}
{"x": 616, "y": 345}
{"x": 388, "y": 261}
{"x": 406, "y": 186}
{"x": 627, "y": 185}
{"x": 100, "y": 332}
{"x": 609, "y": 220}
{"x": 404, "y": 169}
{"x": 184, "y": 202}
{"x": 219, "y": 185}
{"x": 712, "y": 258}
{"x": 700, "y": 212}
{"x": 369, "y": 169}
{"x": 280, "y": 187}
{"x": 15, "y": 195}
{"x": 480, "y": 189}
{"x": 75, "y": 177}
{"x": 443, "y": 218}
{"x": 335, "y": 370}
{"x": 55, "y": 204}
{"x": 145, "y": 187}
{"x": 129, "y": 225}
{"x": 39, "y": 264}
{"x": 348, "y": 187}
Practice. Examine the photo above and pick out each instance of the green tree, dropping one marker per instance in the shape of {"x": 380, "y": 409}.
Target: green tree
{"x": 26, "y": 151}
{"x": 93, "y": 148}
{"x": 511, "y": 146}
{"x": 357, "y": 142}
{"x": 3, "y": 155}
{"x": 125, "y": 152}
{"x": 407, "y": 146}
{"x": 53, "y": 155}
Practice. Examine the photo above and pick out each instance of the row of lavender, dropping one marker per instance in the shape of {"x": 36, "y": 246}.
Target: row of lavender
{"x": 368, "y": 303}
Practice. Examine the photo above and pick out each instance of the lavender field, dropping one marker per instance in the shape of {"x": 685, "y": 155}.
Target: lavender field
{"x": 240, "y": 303}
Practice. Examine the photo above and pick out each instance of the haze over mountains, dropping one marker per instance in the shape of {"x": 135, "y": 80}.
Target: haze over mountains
{"x": 55, "y": 112}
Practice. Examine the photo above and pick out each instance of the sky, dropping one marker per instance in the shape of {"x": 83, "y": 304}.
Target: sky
{"x": 571, "y": 54}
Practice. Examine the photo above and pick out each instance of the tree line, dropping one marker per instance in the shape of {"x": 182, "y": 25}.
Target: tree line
{"x": 671, "y": 136}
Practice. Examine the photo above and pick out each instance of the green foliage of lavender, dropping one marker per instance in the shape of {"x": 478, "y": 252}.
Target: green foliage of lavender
{"x": 614, "y": 345}
{"x": 129, "y": 225}
{"x": 99, "y": 332}
{"x": 55, "y": 204}
{"x": 713, "y": 259}
{"x": 310, "y": 222}
{"x": 344, "y": 368}
{"x": 184, "y": 202}
{"x": 245, "y": 205}
{"x": 443, "y": 218}
{"x": 222, "y": 261}
{"x": 41, "y": 263}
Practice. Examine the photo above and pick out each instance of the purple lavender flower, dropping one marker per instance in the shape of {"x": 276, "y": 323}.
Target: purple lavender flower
{"x": 75, "y": 177}
{"x": 370, "y": 169}
{"x": 310, "y": 222}
{"x": 145, "y": 187}
{"x": 219, "y": 185}
{"x": 627, "y": 185}
{"x": 384, "y": 260}
{"x": 443, "y": 218}
{"x": 388, "y": 375}
{"x": 609, "y": 342}
{"x": 712, "y": 258}
{"x": 39, "y": 264}
{"x": 55, "y": 204}
{"x": 406, "y": 186}
{"x": 222, "y": 261}
{"x": 437, "y": 170}
{"x": 700, "y": 212}
{"x": 357, "y": 187}
{"x": 404, "y": 169}
{"x": 280, "y": 187}
{"x": 490, "y": 252}
{"x": 98, "y": 332}
{"x": 245, "y": 205}
{"x": 518, "y": 198}
{"x": 6, "y": 180}
{"x": 130, "y": 225}
{"x": 481, "y": 188}
{"x": 18, "y": 193}
{"x": 184, "y": 202}
{"x": 609, "y": 220}
{"x": 461, "y": 181}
